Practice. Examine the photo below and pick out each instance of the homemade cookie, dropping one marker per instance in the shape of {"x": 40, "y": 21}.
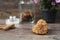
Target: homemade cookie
{"x": 7, "y": 27}
{"x": 40, "y": 27}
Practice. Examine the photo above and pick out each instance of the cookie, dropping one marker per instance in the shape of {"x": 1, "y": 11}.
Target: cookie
{"x": 41, "y": 27}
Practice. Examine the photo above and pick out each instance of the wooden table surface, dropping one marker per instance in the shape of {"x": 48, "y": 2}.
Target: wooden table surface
{"x": 23, "y": 32}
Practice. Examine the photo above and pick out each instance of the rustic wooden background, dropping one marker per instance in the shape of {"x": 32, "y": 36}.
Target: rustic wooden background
{"x": 8, "y": 7}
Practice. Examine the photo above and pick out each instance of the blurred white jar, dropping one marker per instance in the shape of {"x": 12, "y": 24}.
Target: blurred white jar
{"x": 13, "y": 20}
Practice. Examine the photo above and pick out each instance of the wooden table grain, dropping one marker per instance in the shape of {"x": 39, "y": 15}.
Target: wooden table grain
{"x": 23, "y": 32}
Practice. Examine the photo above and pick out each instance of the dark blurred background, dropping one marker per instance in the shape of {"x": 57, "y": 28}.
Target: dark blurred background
{"x": 10, "y": 7}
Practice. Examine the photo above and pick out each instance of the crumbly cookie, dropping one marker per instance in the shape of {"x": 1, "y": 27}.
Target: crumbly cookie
{"x": 40, "y": 27}
{"x": 6, "y": 27}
